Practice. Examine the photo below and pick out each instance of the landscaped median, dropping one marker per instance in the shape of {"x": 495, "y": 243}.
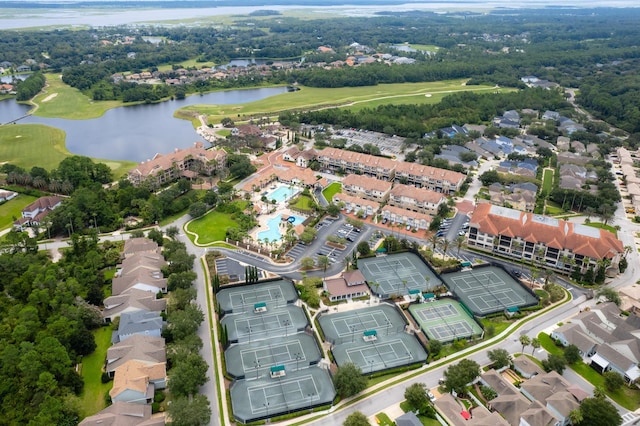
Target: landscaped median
{"x": 625, "y": 396}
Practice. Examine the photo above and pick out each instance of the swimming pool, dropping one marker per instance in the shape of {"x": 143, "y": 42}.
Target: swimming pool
{"x": 273, "y": 233}
{"x": 282, "y": 194}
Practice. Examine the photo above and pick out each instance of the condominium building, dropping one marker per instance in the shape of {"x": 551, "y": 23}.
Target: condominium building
{"x": 551, "y": 242}
{"x": 368, "y": 188}
{"x": 416, "y": 199}
{"x": 432, "y": 178}
{"x": 356, "y": 162}
{"x": 188, "y": 162}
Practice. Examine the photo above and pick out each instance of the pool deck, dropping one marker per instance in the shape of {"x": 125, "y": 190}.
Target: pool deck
{"x": 263, "y": 218}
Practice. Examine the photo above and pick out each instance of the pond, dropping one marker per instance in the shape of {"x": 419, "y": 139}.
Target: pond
{"x": 136, "y": 132}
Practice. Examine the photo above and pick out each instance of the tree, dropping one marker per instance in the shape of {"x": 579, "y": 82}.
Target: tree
{"x": 181, "y": 280}
{"x": 524, "y": 341}
{"x": 554, "y": 363}
{"x": 188, "y": 375}
{"x": 489, "y": 177}
{"x": 349, "y": 380}
{"x": 599, "y": 412}
{"x": 195, "y": 411}
{"x": 612, "y": 380}
{"x": 307, "y": 262}
{"x": 499, "y": 358}
{"x": 356, "y": 419}
{"x": 572, "y": 354}
{"x": 535, "y": 344}
{"x": 416, "y": 395}
{"x": 609, "y": 294}
{"x": 197, "y": 209}
{"x": 457, "y": 376}
{"x": 435, "y": 346}
{"x": 363, "y": 248}
{"x": 323, "y": 262}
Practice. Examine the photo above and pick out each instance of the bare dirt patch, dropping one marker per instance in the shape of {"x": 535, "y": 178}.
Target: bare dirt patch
{"x": 48, "y": 98}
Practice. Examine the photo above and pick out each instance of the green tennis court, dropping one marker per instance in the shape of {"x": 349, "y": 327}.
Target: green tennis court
{"x": 445, "y": 320}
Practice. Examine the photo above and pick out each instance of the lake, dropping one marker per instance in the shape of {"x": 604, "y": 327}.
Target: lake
{"x": 136, "y": 132}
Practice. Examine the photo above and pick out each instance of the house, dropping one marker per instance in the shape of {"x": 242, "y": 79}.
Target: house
{"x": 147, "y": 280}
{"x": 124, "y": 414}
{"x": 130, "y": 301}
{"x": 455, "y": 413}
{"x": 553, "y": 398}
{"x": 138, "y": 322}
{"x": 572, "y": 334}
{"x": 138, "y": 261}
{"x": 553, "y": 242}
{"x": 301, "y": 158}
{"x": 538, "y": 415}
{"x": 33, "y": 214}
{"x": 509, "y": 402}
{"x": 139, "y": 245}
{"x": 164, "y": 168}
{"x": 366, "y": 187}
{"x": 135, "y": 382}
{"x": 408, "y": 419}
{"x": 451, "y": 153}
{"x": 7, "y": 195}
{"x": 146, "y": 349}
{"x": 416, "y": 199}
{"x": 350, "y": 285}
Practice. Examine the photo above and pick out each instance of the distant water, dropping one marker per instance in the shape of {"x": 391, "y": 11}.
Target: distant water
{"x": 11, "y": 18}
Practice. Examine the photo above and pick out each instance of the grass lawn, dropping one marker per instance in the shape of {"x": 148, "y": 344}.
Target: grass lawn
{"x": 224, "y": 132}
{"x": 94, "y": 390}
{"x": 309, "y": 97}
{"x": 13, "y": 208}
{"x": 499, "y": 324}
{"x": 303, "y": 202}
{"x": 68, "y": 102}
{"x": 547, "y": 180}
{"x": 427, "y": 421}
{"x": 212, "y": 226}
{"x": 429, "y": 47}
{"x": 625, "y": 396}
{"x": 28, "y": 145}
{"x": 332, "y": 190}
{"x": 384, "y": 420}
{"x": 603, "y": 226}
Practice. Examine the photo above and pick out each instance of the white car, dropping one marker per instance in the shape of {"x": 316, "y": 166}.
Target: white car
{"x": 431, "y": 396}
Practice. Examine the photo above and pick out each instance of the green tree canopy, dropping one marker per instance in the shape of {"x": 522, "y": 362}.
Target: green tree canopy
{"x": 599, "y": 412}
{"x": 349, "y": 380}
{"x": 416, "y": 395}
{"x": 499, "y": 358}
{"x": 356, "y": 419}
{"x": 457, "y": 376}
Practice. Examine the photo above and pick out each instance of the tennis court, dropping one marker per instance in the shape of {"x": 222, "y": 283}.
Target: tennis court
{"x": 489, "y": 289}
{"x": 254, "y": 360}
{"x": 372, "y": 338}
{"x": 271, "y": 397}
{"x": 244, "y": 298}
{"x": 398, "y": 274}
{"x": 445, "y": 320}
{"x": 259, "y": 325}
{"x": 345, "y": 326}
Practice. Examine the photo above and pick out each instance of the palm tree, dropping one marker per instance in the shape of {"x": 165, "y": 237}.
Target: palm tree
{"x": 434, "y": 240}
{"x": 535, "y": 273}
{"x": 444, "y": 243}
{"x": 548, "y": 275}
{"x": 459, "y": 243}
{"x": 535, "y": 344}
{"x": 524, "y": 341}
{"x": 575, "y": 416}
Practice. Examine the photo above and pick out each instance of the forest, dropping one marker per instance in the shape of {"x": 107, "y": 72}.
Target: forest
{"x": 592, "y": 50}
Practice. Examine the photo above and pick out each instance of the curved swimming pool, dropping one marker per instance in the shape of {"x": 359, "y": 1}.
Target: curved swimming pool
{"x": 273, "y": 232}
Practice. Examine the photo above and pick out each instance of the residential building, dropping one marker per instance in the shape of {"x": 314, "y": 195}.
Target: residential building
{"x": 33, "y": 214}
{"x": 432, "y": 178}
{"x": 130, "y": 301}
{"x": 147, "y": 280}
{"x": 350, "y": 285}
{"x": 457, "y": 415}
{"x": 368, "y": 188}
{"x": 399, "y": 215}
{"x": 138, "y": 322}
{"x": 135, "y": 382}
{"x": 525, "y": 367}
{"x": 416, "y": 199}
{"x": 146, "y": 349}
{"x": 7, "y": 195}
{"x": 124, "y": 414}
{"x": 139, "y": 245}
{"x": 354, "y": 162}
{"x": 164, "y": 168}
{"x": 301, "y": 158}
{"x": 551, "y": 242}
{"x": 355, "y": 204}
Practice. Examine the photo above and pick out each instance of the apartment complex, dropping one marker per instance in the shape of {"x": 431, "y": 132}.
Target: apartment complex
{"x": 416, "y": 199}
{"x": 188, "y": 162}
{"x": 366, "y": 187}
{"x": 554, "y": 243}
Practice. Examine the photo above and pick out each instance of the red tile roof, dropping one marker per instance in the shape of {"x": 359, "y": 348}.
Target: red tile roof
{"x": 580, "y": 239}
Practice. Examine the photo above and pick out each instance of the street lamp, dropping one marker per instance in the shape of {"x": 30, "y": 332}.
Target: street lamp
{"x": 249, "y": 331}
{"x": 371, "y": 366}
{"x": 353, "y": 332}
{"x": 256, "y": 364}
{"x": 266, "y": 407}
{"x": 388, "y": 326}
{"x": 286, "y": 324}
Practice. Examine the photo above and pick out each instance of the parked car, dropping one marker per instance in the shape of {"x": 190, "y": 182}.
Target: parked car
{"x": 431, "y": 396}
{"x": 408, "y": 227}
{"x": 384, "y": 221}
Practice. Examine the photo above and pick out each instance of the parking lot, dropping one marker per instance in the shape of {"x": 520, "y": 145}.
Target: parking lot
{"x": 388, "y": 145}
{"x": 347, "y": 232}
{"x": 454, "y": 227}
